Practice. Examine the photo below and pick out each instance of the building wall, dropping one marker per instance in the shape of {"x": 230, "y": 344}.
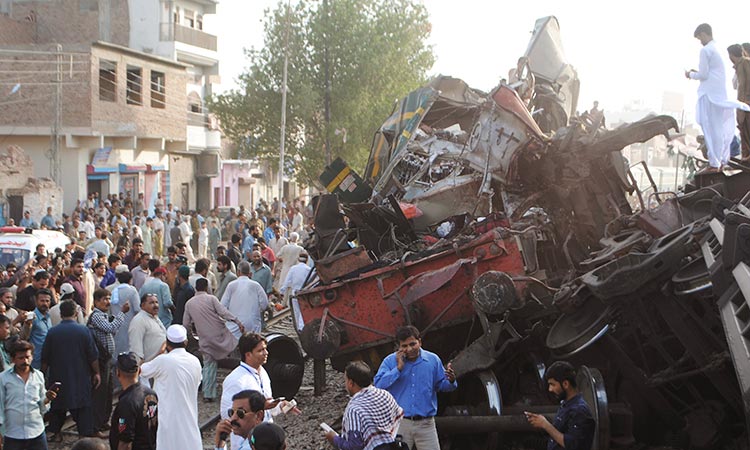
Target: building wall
{"x": 33, "y": 103}
{"x": 182, "y": 171}
{"x": 75, "y": 21}
{"x": 17, "y": 171}
{"x": 121, "y": 118}
{"x": 37, "y": 197}
{"x": 145, "y": 19}
{"x": 14, "y": 32}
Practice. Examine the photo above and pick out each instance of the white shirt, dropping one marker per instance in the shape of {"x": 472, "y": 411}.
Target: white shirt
{"x": 146, "y": 334}
{"x": 297, "y": 222}
{"x": 247, "y": 300}
{"x": 99, "y": 246}
{"x": 104, "y": 213}
{"x": 185, "y": 231}
{"x": 158, "y": 225}
{"x": 277, "y": 244}
{"x": 712, "y": 76}
{"x": 89, "y": 227}
{"x": 296, "y": 277}
{"x": 242, "y": 378}
{"x": 176, "y": 375}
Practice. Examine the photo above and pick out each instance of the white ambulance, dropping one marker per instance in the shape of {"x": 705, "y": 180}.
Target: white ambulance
{"x": 18, "y": 244}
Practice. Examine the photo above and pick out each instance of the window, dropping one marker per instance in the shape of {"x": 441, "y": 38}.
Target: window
{"x": 134, "y": 92}
{"x": 107, "y": 80}
{"x": 158, "y": 90}
{"x": 189, "y": 18}
{"x": 199, "y": 22}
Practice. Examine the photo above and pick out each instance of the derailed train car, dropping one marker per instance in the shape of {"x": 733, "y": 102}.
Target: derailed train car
{"x": 510, "y": 247}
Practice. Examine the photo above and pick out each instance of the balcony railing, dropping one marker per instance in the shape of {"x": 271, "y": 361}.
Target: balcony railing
{"x": 187, "y": 35}
{"x": 197, "y": 119}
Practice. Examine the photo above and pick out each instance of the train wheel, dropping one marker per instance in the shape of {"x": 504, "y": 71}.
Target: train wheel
{"x": 478, "y": 394}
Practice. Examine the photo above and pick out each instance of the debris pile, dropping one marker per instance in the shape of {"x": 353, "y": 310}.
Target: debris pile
{"x": 512, "y": 233}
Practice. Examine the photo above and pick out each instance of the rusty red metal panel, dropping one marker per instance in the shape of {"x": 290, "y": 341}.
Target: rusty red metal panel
{"x": 509, "y": 100}
{"x": 363, "y": 301}
{"x": 342, "y": 263}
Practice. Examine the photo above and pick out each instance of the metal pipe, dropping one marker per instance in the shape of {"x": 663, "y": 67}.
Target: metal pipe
{"x": 486, "y": 424}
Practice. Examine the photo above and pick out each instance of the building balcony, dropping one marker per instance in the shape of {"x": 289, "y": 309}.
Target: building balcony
{"x": 197, "y": 119}
{"x": 187, "y": 35}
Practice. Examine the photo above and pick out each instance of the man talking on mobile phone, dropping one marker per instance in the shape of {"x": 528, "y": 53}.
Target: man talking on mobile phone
{"x": 414, "y": 376}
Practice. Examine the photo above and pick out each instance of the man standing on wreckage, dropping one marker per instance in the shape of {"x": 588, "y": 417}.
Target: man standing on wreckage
{"x": 714, "y": 112}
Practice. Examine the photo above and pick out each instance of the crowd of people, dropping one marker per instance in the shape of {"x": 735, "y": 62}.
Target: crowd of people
{"x": 109, "y": 314}
{"x": 83, "y": 319}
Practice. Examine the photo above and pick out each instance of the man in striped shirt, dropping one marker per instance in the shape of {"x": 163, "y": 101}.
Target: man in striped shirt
{"x": 372, "y": 416}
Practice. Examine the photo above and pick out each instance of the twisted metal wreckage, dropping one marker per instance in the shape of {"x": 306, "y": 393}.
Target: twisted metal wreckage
{"x": 509, "y": 239}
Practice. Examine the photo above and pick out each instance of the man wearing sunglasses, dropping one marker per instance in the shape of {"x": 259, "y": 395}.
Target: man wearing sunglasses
{"x": 247, "y": 411}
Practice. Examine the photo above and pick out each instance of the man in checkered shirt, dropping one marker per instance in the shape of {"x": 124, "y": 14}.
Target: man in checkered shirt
{"x": 105, "y": 327}
{"x": 372, "y": 416}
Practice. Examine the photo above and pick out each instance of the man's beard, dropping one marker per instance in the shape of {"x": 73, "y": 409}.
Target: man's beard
{"x": 562, "y": 396}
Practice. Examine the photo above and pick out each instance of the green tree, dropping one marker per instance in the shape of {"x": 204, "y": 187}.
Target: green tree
{"x": 375, "y": 51}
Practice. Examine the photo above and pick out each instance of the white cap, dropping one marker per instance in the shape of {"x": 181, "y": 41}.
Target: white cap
{"x": 66, "y": 289}
{"x": 121, "y": 268}
{"x": 176, "y": 334}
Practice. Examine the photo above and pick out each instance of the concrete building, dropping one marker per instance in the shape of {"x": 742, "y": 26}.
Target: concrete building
{"x": 21, "y": 191}
{"x": 247, "y": 181}
{"x": 174, "y": 29}
{"x": 131, "y": 78}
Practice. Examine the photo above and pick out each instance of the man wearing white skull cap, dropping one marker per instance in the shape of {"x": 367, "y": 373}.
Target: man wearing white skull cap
{"x": 177, "y": 375}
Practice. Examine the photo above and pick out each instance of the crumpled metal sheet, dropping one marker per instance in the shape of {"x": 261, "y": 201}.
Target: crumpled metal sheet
{"x": 427, "y": 282}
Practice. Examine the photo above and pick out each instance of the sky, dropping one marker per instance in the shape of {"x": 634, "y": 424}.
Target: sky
{"x": 625, "y": 52}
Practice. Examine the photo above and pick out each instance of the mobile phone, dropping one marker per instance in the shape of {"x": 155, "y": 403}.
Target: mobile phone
{"x": 56, "y": 386}
{"x": 288, "y": 406}
{"x": 327, "y": 428}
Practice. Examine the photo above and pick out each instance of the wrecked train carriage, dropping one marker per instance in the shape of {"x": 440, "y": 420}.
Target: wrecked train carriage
{"x": 651, "y": 305}
{"x": 515, "y": 168}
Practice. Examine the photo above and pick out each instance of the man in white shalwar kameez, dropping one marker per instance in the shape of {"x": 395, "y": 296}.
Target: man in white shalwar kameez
{"x": 177, "y": 375}
{"x": 186, "y": 234}
{"x": 714, "y": 111}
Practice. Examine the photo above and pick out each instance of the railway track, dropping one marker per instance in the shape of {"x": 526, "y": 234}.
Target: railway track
{"x": 69, "y": 427}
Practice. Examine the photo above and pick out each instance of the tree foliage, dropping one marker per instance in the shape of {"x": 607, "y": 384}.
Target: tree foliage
{"x": 377, "y": 53}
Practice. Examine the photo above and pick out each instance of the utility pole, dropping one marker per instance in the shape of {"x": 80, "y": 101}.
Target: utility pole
{"x": 283, "y": 112}
{"x": 327, "y": 74}
{"x": 56, "y": 159}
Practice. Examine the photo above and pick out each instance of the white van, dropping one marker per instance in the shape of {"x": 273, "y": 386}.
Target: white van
{"x": 18, "y": 244}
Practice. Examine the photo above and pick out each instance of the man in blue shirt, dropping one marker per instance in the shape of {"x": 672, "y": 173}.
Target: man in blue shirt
{"x": 414, "y": 376}
{"x": 574, "y": 427}
{"x": 48, "y": 221}
{"x": 40, "y": 325}
{"x": 268, "y": 232}
{"x": 247, "y": 245}
{"x": 27, "y": 221}
{"x": 23, "y": 401}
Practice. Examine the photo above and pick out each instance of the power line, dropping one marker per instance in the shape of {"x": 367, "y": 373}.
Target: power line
{"x": 43, "y": 83}
{"x": 24, "y": 100}
{"x": 40, "y": 52}
{"x": 40, "y": 71}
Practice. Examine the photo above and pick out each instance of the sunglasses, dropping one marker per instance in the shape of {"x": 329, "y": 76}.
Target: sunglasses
{"x": 241, "y": 413}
